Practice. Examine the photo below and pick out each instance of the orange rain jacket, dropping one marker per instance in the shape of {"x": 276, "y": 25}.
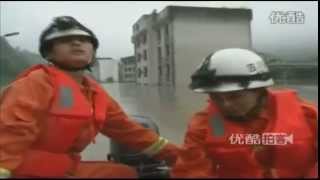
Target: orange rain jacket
{"x": 208, "y": 151}
{"x": 47, "y": 120}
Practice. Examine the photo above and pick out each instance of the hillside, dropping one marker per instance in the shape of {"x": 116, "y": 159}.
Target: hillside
{"x": 13, "y": 61}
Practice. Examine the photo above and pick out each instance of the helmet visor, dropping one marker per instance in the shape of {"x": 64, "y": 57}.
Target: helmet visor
{"x": 70, "y": 32}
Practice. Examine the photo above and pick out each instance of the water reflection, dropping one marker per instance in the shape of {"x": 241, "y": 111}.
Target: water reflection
{"x": 171, "y": 108}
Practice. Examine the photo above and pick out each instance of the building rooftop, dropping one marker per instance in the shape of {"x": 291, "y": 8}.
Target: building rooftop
{"x": 169, "y": 11}
{"x": 128, "y": 59}
{"x": 104, "y": 58}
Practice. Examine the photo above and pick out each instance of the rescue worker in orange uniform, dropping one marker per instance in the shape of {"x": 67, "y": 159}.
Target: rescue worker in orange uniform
{"x": 52, "y": 112}
{"x": 247, "y": 130}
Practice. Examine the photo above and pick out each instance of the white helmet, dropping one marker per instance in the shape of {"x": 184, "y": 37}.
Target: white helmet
{"x": 63, "y": 26}
{"x": 231, "y": 69}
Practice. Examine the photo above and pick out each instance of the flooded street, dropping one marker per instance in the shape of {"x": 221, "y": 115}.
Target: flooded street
{"x": 170, "y": 108}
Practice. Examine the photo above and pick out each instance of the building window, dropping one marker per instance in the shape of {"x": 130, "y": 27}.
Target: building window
{"x": 168, "y": 72}
{"x": 139, "y": 73}
{"x": 166, "y": 32}
{"x": 160, "y": 70}
{"x": 145, "y": 72}
{"x": 145, "y": 55}
{"x": 144, "y": 38}
{"x": 139, "y": 57}
{"x": 159, "y": 54}
{"x": 159, "y": 35}
{"x": 167, "y": 29}
{"x": 138, "y": 42}
{"x": 167, "y": 50}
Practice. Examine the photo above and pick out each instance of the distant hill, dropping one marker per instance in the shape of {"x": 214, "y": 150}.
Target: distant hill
{"x": 272, "y": 59}
{"x": 269, "y": 58}
{"x": 293, "y": 73}
{"x": 13, "y": 61}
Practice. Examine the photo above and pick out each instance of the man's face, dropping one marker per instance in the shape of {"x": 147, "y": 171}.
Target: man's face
{"x": 235, "y": 103}
{"x": 72, "y": 51}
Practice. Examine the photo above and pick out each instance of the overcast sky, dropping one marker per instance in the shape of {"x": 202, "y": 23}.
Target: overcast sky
{"x": 112, "y": 23}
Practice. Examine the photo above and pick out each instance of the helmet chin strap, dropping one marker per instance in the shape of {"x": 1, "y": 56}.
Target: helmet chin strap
{"x": 74, "y": 69}
{"x": 69, "y": 68}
